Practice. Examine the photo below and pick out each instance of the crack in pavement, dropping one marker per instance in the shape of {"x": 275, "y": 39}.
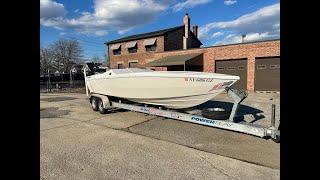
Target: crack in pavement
{"x": 128, "y": 128}
{"x": 215, "y": 167}
{"x": 78, "y": 122}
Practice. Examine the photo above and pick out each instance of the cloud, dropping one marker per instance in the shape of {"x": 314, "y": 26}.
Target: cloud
{"x": 234, "y": 38}
{"x": 119, "y": 15}
{"x": 51, "y": 9}
{"x": 188, "y": 4}
{"x": 229, "y": 2}
{"x": 263, "y": 21}
{"x": 216, "y": 34}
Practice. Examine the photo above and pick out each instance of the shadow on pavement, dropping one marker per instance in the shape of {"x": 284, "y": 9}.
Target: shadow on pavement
{"x": 56, "y": 99}
{"x": 242, "y": 110}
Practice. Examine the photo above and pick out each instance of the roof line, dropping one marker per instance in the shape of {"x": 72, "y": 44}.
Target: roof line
{"x": 251, "y": 42}
{"x": 148, "y": 34}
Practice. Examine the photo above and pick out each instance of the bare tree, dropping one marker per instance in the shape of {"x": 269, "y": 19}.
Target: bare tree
{"x": 46, "y": 58}
{"x": 96, "y": 59}
{"x": 65, "y": 53}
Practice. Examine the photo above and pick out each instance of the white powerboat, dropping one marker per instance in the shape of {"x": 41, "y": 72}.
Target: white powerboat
{"x": 171, "y": 89}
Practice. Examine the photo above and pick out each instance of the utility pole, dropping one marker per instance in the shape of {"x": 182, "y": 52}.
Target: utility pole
{"x": 71, "y": 81}
{"x": 49, "y": 82}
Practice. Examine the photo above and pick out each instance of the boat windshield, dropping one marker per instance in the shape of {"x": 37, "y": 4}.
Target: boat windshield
{"x": 128, "y": 70}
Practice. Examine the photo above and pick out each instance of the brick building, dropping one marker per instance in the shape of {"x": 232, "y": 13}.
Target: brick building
{"x": 178, "y": 48}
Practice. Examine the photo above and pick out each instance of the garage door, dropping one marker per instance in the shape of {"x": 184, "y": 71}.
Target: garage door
{"x": 267, "y": 74}
{"x": 234, "y": 67}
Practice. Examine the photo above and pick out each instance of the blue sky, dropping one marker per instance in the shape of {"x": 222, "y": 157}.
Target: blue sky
{"x": 94, "y": 22}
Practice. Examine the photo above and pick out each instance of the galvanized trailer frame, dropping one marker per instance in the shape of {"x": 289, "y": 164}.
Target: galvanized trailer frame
{"x": 230, "y": 124}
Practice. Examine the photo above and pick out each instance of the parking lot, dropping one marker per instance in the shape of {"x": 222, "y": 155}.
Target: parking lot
{"x": 78, "y": 143}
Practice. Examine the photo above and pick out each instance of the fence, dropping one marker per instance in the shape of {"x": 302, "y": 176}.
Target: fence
{"x": 61, "y": 84}
{"x": 63, "y": 81}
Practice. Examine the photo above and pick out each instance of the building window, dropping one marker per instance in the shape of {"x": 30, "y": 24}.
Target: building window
{"x": 133, "y": 64}
{"x": 120, "y": 66}
{"x": 150, "y": 44}
{"x": 133, "y": 49}
{"x": 117, "y": 51}
{"x": 220, "y": 68}
{"x": 151, "y": 48}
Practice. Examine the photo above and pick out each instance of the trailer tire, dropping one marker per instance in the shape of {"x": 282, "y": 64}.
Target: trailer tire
{"x": 94, "y": 103}
{"x": 101, "y": 109}
{"x": 216, "y": 113}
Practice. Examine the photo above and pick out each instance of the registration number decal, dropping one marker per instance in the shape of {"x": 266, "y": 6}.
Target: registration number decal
{"x": 191, "y": 79}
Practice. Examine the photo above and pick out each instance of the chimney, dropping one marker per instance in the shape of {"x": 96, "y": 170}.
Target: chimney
{"x": 195, "y": 30}
{"x": 186, "y": 22}
{"x": 242, "y": 38}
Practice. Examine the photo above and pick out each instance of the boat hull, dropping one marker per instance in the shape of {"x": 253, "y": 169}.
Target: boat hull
{"x": 178, "y": 102}
{"x": 174, "y": 91}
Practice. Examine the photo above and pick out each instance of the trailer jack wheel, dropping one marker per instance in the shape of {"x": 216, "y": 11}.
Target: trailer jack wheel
{"x": 277, "y": 139}
{"x": 94, "y": 103}
{"x": 101, "y": 109}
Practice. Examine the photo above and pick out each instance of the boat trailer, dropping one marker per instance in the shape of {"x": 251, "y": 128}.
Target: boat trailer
{"x": 229, "y": 124}
{"x": 107, "y": 103}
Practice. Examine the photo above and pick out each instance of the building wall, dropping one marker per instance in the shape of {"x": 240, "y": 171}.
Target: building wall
{"x": 210, "y": 54}
{"x": 171, "y": 42}
{"x": 142, "y": 56}
{"x": 194, "y": 42}
{"x": 174, "y": 40}
{"x": 227, "y": 52}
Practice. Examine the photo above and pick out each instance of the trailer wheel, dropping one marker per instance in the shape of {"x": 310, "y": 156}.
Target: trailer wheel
{"x": 94, "y": 103}
{"x": 216, "y": 113}
{"x": 101, "y": 109}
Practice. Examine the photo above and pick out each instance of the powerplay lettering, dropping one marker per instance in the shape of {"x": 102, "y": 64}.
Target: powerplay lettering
{"x": 202, "y": 120}
{"x": 210, "y": 121}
